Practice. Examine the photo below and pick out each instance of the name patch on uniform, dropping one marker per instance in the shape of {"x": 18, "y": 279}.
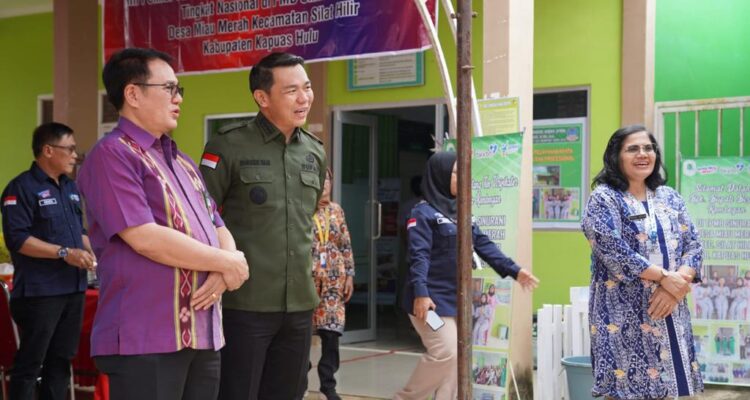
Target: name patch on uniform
{"x": 47, "y": 202}
{"x": 263, "y": 163}
{"x": 310, "y": 167}
{"x": 444, "y": 221}
{"x": 210, "y": 160}
{"x": 10, "y": 201}
{"x": 411, "y": 223}
{"x": 636, "y": 217}
{"x": 74, "y": 197}
{"x": 44, "y": 194}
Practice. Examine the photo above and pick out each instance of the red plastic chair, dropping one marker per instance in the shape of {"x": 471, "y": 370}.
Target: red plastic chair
{"x": 8, "y": 337}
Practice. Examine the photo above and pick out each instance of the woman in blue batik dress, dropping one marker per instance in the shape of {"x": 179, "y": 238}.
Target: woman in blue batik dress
{"x": 645, "y": 254}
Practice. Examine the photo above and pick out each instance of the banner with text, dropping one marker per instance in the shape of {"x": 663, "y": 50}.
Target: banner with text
{"x": 495, "y": 193}
{"x": 206, "y": 35}
{"x": 717, "y": 193}
{"x": 559, "y": 175}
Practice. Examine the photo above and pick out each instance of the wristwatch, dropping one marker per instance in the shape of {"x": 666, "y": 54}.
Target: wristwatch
{"x": 664, "y": 274}
{"x": 62, "y": 252}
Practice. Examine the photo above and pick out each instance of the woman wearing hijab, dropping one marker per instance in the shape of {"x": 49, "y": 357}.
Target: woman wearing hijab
{"x": 431, "y": 282}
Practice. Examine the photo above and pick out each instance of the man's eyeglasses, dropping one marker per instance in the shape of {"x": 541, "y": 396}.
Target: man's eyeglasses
{"x": 172, "y": 88}
{"x": 70, "y": 149}
{"x": 646, "y": 148}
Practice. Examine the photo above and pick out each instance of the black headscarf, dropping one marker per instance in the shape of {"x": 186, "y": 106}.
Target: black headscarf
{"x": 436, "y": 183}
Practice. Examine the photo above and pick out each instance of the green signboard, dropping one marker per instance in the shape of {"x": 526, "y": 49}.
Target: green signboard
{"x": 495, "y": 192}
{"x": 559, "y": 178}
{"x": 717, "y": 193}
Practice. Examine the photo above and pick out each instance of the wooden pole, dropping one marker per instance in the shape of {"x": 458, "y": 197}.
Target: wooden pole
{"x": 463, "y": 133}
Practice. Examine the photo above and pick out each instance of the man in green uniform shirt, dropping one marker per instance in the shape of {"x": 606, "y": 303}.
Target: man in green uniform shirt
{"x": 267, "y": 176}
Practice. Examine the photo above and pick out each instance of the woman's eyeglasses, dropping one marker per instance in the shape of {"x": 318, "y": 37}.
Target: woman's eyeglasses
{"x": 646, "y": 148}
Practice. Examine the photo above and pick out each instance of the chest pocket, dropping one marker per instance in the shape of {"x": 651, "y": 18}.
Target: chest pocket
{"x": 259, "y": 187}
{"x": 310, "y": 187}
{"x": 447, "y": 229}
{"x": 52, "y": 217}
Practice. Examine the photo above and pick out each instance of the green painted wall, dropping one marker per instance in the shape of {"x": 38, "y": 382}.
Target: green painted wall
{"x": 702, "y": 49}
{"x": 576, "y": 43}
{"x": 25, "y": 72}
{"x": 702, "y": 52}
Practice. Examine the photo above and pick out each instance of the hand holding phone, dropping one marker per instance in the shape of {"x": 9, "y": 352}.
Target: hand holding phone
{"x": 434, "y": 320}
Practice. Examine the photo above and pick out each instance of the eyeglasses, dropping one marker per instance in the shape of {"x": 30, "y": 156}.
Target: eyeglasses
{"x": 172, "y": 88}
{"x": 646, "y": 148}
{"x": 70, "y": 149}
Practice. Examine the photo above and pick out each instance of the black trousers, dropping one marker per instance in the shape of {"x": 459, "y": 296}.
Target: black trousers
{"x": 329, "y": 361}
{"x": 49, "y": 328}
{"x": 328, "y": 364}
{"x": 184, "y": 375}
{"x": 266, "y": 356}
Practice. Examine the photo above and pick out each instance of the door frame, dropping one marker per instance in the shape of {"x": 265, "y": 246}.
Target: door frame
{"x": 351, "y": 117}
{"x": 347, "y": 114}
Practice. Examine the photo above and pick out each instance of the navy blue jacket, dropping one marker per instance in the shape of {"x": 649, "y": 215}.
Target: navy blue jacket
{"x": 432, "y": 259}
{"x": 34, "y": 205}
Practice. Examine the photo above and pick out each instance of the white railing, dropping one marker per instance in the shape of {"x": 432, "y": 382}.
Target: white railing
{"x": 562, "y": 331}
{"x": 694, "y": 108}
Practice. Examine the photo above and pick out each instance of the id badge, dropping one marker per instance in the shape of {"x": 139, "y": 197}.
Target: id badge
{"x": 323, "y": 259}
{"x": 207, "y": 200}
{"x": 656, "y": 259}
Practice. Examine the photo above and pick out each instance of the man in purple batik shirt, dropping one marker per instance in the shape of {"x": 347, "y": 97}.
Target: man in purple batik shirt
{"x": 165, "y": 256}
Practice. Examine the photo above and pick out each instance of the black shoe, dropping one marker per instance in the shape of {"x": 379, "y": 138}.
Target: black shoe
{"x": 330, "y": 395}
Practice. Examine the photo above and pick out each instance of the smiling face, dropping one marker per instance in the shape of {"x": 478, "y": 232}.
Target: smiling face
{"x": 637, "y": 157}
{"x": 288, "y": 101}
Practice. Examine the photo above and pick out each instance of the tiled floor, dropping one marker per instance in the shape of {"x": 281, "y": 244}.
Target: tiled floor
{"x": 371, "y": 371}
{"x": 368, "y": 373}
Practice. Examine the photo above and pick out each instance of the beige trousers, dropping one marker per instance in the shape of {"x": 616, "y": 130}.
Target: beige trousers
{"x": 436, "y": 372}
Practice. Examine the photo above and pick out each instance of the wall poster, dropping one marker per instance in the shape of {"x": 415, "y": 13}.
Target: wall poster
{"x": 560, "y": 179}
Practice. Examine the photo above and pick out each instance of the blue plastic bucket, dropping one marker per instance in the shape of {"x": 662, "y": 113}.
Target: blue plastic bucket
{"x": 580, "y": 377}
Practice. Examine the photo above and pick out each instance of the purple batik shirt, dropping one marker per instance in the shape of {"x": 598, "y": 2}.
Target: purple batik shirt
{"x": 139, "y": 309}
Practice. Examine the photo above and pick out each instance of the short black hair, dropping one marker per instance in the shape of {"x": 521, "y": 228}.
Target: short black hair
{"x": 49, "y": 133}
{"x": 127, "y": 66}
{"x": 611, "y": 173}
{"x": 261, "y": 76}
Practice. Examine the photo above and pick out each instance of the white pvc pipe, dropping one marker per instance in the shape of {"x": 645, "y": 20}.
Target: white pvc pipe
{"x": 442, "y": 66}
{"x": 475, "y": 118}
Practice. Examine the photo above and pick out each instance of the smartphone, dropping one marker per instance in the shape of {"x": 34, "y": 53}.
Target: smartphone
{"x": 434, "y": 320}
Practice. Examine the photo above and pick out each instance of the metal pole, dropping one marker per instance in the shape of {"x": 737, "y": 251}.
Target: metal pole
{"x": 463, "y": 125}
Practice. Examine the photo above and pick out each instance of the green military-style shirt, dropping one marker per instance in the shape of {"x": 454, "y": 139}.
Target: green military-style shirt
{"x": 268, "y": 191}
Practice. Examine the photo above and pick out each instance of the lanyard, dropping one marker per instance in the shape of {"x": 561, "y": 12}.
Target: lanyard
{"x": 649, "y": 223}
{"x": 323, "y": 234}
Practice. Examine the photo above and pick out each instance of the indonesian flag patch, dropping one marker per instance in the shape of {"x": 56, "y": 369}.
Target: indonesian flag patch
{"x": 210, "y": 160}
{"x": 411, "y": 223}
{"x": 9, "y": 201}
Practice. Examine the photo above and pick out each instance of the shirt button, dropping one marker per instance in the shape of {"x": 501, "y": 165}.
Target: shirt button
{"x": 291, "y": 252}
{"x": 288, "y": 176}
{"x": 257, "y": 176}
{"x": 289, "y": 201}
